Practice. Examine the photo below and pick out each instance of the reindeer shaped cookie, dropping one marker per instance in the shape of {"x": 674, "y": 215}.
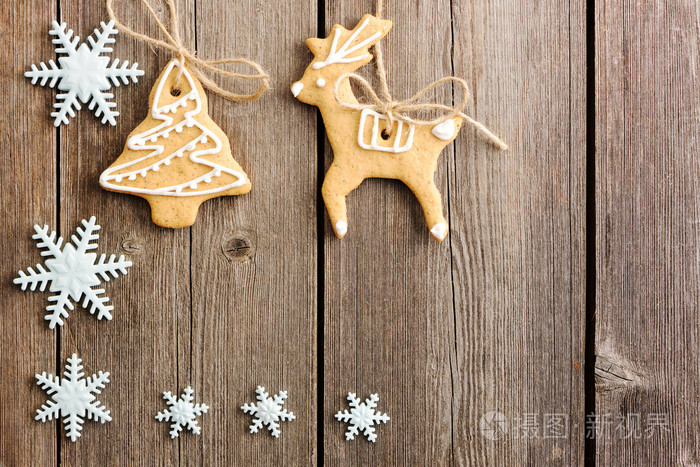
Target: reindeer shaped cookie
{"x": 363, "y": 145}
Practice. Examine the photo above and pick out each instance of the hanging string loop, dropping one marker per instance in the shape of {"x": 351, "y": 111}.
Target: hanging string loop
{"x": 197, "y": 66}
{"x": 400, "y": 110}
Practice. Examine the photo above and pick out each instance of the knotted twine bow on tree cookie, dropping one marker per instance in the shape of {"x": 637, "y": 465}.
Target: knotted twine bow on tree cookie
{"x": 196, "y": 65}
{"x": 398, "y": 110}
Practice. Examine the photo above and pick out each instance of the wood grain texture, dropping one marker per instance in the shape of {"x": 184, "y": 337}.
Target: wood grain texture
{"x": 518, "y": 232}
{"x": 254, "y": 268}
{"x": 140, "y": 346}
{"x": 388, "y": 313}
{"x": 223, "y": 307}
{"x": 648, "y": 232}
{"x": 494, "y": 319}
{"x": 28, "y": 181}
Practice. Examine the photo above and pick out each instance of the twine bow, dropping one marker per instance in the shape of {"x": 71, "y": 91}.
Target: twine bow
{"x": 397, "y": 110}
{"x": 196, "y": 65}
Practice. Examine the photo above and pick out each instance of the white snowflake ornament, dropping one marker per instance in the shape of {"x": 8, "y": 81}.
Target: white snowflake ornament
{"x": 182, "y": 412}
{"x": 73, "y": 397}
{"x": 72, "y": 272}
{"x": 268, "y": 411}
{"x": 83, "y": 74}
{"x": 362, "y": 416}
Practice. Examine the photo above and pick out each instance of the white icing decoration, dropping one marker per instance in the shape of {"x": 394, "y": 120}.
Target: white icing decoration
{"x": 341, "y": 56}
{"x": 320, "y": 82}
{"x": 268, "y": 411}
{"x": 84, "y": 73}
{"x": 140, "y": 142}
{"x": 182, "y": 412}
{"x": 73, "y": 397}
{"x": 444, "y": 130}
{"x": 341, "y": 228}
{"x": 73, "y": 272}
{"x": 362, "y": 417}
{"x": 439, "y": 231}
{"x": 296, "y": 88}
{"x": 373, "y": 145}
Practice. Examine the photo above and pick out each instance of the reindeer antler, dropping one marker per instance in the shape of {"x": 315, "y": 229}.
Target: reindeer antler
{"x": 358, "y": 41}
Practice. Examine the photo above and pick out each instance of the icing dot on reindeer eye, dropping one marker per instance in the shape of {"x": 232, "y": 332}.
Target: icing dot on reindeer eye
{"x": 320, "y": 82}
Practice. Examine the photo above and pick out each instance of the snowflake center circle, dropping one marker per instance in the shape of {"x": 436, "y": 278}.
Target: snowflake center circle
{"x": 73, "y": 397}
{"x": 182, "y": 412}
{"x": 73, "y": 271}
{"x": 84, "y": 72}
{"x": 363, "y": 416}
{"x": 268, "y": 411}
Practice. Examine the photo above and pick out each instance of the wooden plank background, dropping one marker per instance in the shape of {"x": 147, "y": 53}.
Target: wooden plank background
{"x": 259, "y": 291}
{"x": 648, "y": 231}
{"x": 448, "y": 332}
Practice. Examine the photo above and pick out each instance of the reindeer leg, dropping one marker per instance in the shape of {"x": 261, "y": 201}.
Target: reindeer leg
{"x": 430, "y": 200}
{"x": 336, "y": 186}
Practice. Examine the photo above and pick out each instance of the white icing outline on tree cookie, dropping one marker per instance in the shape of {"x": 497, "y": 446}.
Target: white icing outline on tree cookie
{"x": 139, "y": 142}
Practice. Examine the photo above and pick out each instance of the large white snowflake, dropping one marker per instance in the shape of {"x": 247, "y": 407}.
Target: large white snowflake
{"x": 182, "y": 412}
{"x": 72, "y": 272}
{"x": 362, "y": 416}
{"x": 73, "y": 397}
{"x": 83, "y": 74}
{"x": 268, "y": 411}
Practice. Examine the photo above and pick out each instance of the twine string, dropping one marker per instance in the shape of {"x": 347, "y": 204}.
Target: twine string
{"x": 399, "y": 110}
{"x": 196, "y": 65}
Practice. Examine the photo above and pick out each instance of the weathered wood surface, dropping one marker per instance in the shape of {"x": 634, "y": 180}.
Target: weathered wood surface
{"x": 491, "y": 320}
{"x": 648, "y": 232}
{"x": 518, "y": 243}
{"x": 388, "y": 304}
{"x": 28, "y": 181}
{"x": 140, "y": 346}
{"x": 269, "y": 337}
{"x": 194, "y": 309}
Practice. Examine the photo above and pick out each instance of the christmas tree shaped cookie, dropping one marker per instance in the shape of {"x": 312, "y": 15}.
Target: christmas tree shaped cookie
{"x": 177, "y": 158}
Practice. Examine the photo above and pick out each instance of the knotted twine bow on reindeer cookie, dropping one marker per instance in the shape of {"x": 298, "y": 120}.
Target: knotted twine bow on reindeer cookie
{"x": 196, "y": 65}
{"x": 397, "y": 110}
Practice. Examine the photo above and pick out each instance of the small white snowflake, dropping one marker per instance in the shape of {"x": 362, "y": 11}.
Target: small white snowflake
{"x": 362, "y": 416}
{"x": 72, "y": 272}
{"x": 182, "y": 412}
{"x": 83, "y": 73}
{"x": 72, "y": 397}
{"x": 268, "y": 411}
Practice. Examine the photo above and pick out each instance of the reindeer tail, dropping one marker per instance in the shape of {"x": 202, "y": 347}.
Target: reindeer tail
{"x": 447, "y": 130}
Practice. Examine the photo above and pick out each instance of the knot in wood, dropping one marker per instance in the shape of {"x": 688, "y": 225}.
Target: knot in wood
{"x": 131, "y": 246}
{"x": 238, "y": 247}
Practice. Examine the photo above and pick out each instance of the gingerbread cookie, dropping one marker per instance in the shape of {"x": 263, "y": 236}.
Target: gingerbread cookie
{"x": 177, "y": 158}
{"x": 363, "y": 144}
